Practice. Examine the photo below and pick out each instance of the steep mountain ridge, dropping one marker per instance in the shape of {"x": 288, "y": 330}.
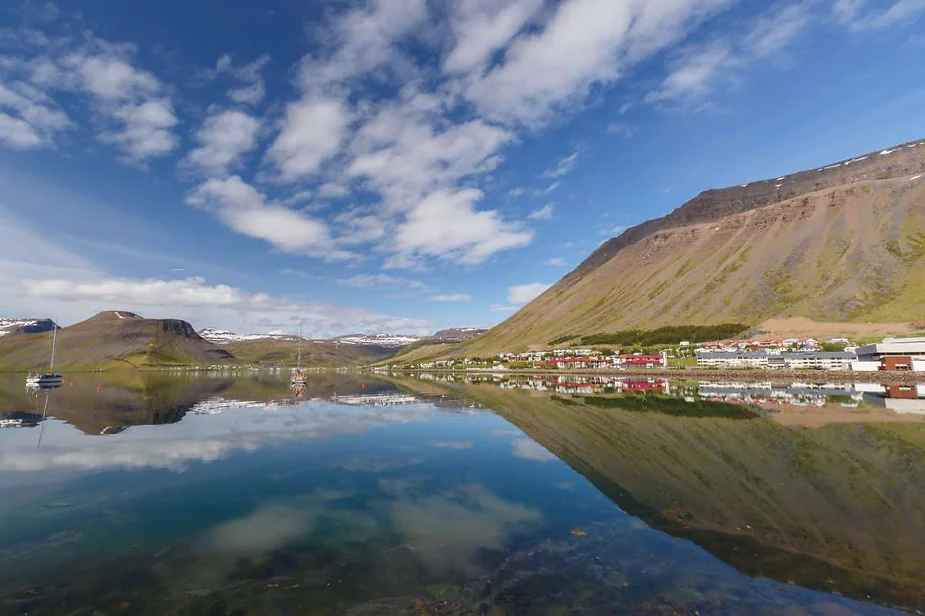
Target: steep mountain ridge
{"x": 899, "y": 161}
{"x": 850, "y": 251}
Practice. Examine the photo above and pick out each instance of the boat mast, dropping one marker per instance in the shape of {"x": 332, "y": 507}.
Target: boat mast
{"x": 54, "y": 340}
{"x": 300, "y": 348}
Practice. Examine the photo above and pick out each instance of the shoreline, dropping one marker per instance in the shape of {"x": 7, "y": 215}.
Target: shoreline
{"x": 789, "y": 376}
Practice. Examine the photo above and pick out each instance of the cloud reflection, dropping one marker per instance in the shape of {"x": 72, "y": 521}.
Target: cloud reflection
{"x": 448, "y": 531}
{"x": 201, "y": 439}
{"x": 531, "y": 450}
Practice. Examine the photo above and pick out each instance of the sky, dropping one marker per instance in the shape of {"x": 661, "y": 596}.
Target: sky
{"x": 403, "y": 166}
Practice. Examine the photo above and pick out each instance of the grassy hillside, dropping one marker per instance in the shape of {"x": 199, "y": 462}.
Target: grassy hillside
{"x": 854, "y": 253}
{"x": 835, "y": 508}
{"x": 112, "y": 340}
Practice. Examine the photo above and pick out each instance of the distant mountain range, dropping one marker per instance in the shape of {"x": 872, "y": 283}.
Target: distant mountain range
{"x": 386, "y": 341}
{"x": 115, "y": 339}
{"x": 840, "y": 243}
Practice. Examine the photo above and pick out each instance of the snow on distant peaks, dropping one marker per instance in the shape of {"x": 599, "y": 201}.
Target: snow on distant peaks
{"x": 382, "y": 340}
{"x": 10, "y": 326}
{"x": 223, "y": 336}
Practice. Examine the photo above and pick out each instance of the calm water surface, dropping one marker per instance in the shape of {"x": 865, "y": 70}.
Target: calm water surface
{"x": 151, "y": 493}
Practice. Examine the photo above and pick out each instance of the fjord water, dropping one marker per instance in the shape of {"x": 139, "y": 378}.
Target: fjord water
{"x": 156, "y": 493}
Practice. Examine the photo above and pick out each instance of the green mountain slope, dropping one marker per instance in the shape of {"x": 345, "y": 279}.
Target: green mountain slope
{"x": 845, "y": 244}
{"x": 114, "y": 339}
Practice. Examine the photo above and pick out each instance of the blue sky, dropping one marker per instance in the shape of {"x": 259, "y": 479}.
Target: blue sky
{"x": 403, "y": 166}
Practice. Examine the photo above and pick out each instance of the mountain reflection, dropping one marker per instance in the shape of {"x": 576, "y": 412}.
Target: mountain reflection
{"x": 839, "y": 506}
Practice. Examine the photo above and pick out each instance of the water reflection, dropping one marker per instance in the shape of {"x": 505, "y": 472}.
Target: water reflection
{"x": 520, "y": 496}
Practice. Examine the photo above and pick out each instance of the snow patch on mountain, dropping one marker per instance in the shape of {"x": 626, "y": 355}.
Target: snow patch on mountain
{"x": 392, "y": 341}
{"x": 223, "y": 336}
{"x": 12, "y": 326}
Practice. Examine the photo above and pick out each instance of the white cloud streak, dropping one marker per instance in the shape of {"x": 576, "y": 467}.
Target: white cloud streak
{"x": 247, "y": 211}
{"x": 563, "y": 167}
{"x": 455, "y": 297}
{"x": 224, "y": 138}
{"x": 523, "y": 293}
{"x": 544, "y": 213}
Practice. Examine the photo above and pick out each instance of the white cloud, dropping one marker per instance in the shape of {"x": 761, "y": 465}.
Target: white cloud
{"x": 585, "y": 42}
{"x": 554, "y": 261}
{"x": 563, "y": 167}
{"x": 695, "y": 73}
{"x": 524, "y": 293}
{"x": 775, "y": 30}
{"x": 699, "y": 69}
{"x": 253, "y": 89}
{"x": 370, "y": 281}
{"x": 224, "y": 138}
{"x": 333, "y": 191}
{"x": 544, "y": 213}
{"x": 456, "y": 297}
{"x": 503, "y": 308}
{"x": 459, "y": 445}
{"x": 131, "y": 108}
{"x": 858, "y": 14}
{"x": 404, "y": 154}
{"x": 247, "y": 211}
{"x": 36, "y": 119}
{"x": 19, "y": 134}
{"x": 311, "y": 133}
{"x": 482, "y": 27}
{"x": 215, "y": 304}
{"x": 132, "y": 101}
{"x": 621, "y": 129}
{"x": 363, "y": 40}
{"x": 447, "y": 225}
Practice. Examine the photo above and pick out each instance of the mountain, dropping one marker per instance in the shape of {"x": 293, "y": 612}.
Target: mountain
{"x": 223, "y": 336}
{"x": 841, "y": 243}
{"x": 282, "y": 349}
{"x": 315, "y": 353}
{"x": 387, "y": 341}
{"x": 458, "y": 334}
{"x": 110, "y": 340}
{"x": 25, "y": 326}
{"x": 443, "y": 342}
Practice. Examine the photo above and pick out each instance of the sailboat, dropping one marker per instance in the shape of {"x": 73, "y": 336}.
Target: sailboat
{"x": 50, "y": 378}
{"x": 298, "y": 377}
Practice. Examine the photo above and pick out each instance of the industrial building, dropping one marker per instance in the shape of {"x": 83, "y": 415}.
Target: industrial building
{"x": 891, "y": 355}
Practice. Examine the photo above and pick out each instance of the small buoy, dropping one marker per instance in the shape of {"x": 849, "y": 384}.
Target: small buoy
{"x": 99, "y": 388}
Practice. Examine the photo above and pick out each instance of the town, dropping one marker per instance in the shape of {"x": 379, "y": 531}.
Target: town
{"x": 837, "y": 354}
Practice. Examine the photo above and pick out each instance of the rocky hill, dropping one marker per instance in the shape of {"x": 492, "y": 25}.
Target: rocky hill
{"x": 112, "y": 339}
{"x": 841, "y": 243}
